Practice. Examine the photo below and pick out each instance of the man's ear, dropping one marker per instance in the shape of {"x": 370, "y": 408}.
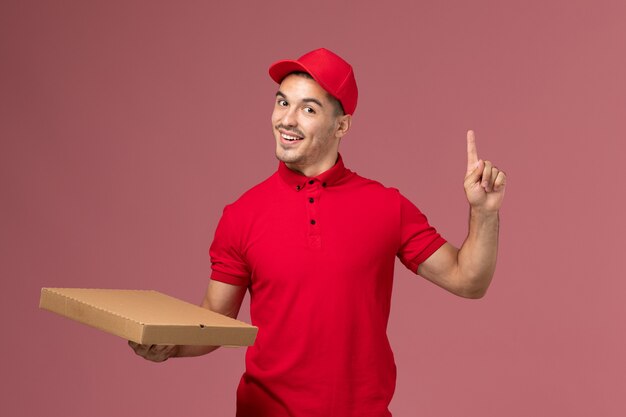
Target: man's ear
{"x": 344, "y": 124}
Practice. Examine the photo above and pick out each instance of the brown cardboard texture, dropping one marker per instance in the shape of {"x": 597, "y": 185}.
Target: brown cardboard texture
{"x": 147, "y": 317}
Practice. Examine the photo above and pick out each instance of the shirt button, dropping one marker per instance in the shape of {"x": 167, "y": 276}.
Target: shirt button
{"x": 298, "y": 187}
{"x": 311, "y": 200}
{"x": 311, "y": 182}
{"x": 323, "y": 184}
{"x": 313, "y": 222}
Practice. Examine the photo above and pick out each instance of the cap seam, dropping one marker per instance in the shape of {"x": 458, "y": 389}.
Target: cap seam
{"x": 345, "y": 79}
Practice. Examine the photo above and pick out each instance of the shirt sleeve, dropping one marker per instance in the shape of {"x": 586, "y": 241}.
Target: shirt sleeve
{"x": 227, "y": 261}
{"x": 418, "y": 239}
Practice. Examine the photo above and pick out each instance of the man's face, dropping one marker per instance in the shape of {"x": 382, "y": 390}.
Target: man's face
{"x": 306, "y": 127}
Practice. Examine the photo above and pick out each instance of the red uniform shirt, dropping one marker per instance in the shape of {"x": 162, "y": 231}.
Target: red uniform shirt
{"x": 317, "y": 255}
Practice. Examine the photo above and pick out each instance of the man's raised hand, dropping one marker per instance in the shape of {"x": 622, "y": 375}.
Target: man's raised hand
{"x": 484, "y": 182}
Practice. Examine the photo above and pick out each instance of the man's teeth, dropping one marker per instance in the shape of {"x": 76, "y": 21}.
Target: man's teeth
{"x": 289, "y": 138}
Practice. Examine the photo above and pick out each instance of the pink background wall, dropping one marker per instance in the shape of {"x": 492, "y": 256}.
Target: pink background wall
{"x": 126, "y": 127}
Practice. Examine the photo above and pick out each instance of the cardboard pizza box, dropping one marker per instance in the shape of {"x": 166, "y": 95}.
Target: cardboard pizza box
{"x": 148, "y": 317}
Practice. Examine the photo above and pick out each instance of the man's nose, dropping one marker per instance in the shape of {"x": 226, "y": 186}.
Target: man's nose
{"x": 289, "y": 117}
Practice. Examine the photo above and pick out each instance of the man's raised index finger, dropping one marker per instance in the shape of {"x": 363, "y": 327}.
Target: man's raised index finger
{"x": 472, "y": 153}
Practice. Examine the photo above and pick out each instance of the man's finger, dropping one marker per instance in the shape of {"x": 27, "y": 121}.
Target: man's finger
{"x": 139, "y": 349}
{"x": 160, "y": 349}
{"x": 500, "y": 181}
{"x": 472, "y": 153}
{"x": 474, "y": 176}
{"x": 486, "y": 177}
{"x": 135, "y": 346}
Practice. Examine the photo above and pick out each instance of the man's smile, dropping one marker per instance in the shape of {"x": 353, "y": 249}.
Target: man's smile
{"x": 289, "y": 136}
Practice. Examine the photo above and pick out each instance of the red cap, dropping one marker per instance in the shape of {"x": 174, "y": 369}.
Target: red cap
{"x": 329, "y": 70}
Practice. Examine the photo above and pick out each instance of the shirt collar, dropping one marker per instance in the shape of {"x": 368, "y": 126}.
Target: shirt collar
{"x": 297, "y": 181}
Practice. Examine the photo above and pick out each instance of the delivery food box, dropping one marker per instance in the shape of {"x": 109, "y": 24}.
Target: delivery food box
{"x": 147, "y": 317}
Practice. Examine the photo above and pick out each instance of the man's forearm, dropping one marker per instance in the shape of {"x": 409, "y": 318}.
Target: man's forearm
{"x": 477, "y": 256}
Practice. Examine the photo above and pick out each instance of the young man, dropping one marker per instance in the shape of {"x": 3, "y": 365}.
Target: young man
{"x": 315, "y": 245}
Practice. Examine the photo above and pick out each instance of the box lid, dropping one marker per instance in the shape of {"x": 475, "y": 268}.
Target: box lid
{"x": 147, "y": 316}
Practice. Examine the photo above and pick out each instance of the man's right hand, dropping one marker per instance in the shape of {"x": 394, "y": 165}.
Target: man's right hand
{"x": 154, "y": 353}
{"x": 220, "y": 297}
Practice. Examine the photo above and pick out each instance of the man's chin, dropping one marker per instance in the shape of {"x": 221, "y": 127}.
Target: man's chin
{"x": 287, "y": 157}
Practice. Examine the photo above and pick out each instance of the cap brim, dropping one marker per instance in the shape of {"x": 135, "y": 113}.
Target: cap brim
{"x": 280, "y": 69}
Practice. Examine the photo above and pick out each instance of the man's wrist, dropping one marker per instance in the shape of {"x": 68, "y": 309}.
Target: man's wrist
{"x": 481, "y": 213}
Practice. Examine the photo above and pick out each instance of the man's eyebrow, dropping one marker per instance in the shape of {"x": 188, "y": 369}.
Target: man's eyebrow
{"x": 312, "y": 100}
{"x": 304, "y": 100}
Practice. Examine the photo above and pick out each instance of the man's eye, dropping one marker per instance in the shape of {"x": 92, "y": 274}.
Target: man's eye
{"x": 309, "y": 110}
{"x": 282, "y": 103}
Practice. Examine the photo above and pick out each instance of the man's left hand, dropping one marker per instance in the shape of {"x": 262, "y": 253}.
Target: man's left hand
{"x": 484, "y": 182}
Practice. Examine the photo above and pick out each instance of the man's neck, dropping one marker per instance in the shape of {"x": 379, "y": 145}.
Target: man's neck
{"x": 314, "y": 170}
